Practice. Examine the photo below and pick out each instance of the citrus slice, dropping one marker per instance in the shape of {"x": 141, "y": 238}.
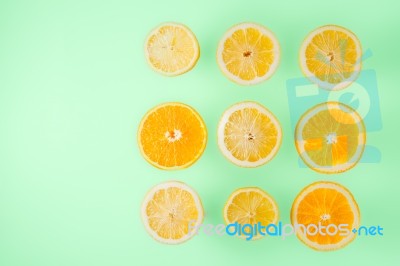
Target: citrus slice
{"x": 172, "y": 136}
{"x": 249, "y": 135}
{"x": 330, "y": 137}
{"x": 172, "y": 49}
{"x": 172, "y": 212}
{"x": 248, "y": 53}
{"x": 251, "y": 206}
{"x": 330, "y": 57}
{"x": 324, "y": 215}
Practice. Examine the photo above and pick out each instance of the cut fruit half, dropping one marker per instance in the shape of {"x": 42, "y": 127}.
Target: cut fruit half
{"x": 172, "y": 136}
{"x": 248, "y": 53}
{"x": 172, "y": 212}
{"x": 325, "y": 213}
{"x": 172, "y": 49}
{"x": 251, "y": 206}
{"x": 249, "y": 135}
{"x": 330, "y": 57}
{"x": 330, "y": 137}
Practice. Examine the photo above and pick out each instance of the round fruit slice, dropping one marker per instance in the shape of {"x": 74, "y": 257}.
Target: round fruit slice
{"x": 251, "y": 207}
{"x": 330, "y": 137}
{"x": 248, "y": 53}
{"x": 324, "y": 215}
{"x": 330, "y": 57}
{"x": 172, "y": 212}
{"x": 248, "y": 134}
{"x": 172, "y": 49}
{"x": 172, "y": 136}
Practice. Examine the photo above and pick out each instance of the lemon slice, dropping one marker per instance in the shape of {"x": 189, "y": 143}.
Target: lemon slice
{"x": 331, "y": 206}
{"x": 167, "y": 211}
{"x": 172, "y": 49}
{"x": 330, "y": 57}
{"x": 248, "y": 53}
{"x": 249, "y": 135}
{"x": 251, "y": 206}
{"x": 330, "y": 137}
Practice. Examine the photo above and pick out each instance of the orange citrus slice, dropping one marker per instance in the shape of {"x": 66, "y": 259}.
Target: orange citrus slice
{"x": 251, "y": 206}
{"x": 249, "y": 135}
{"x": 330, "y": 56}
{"x": 248, "y": 53}
{"x": 330, "y": 137}
{"x": 172, "y": 49}
{"x": 172, "y": 212}
{"x": 325, "y": 213}
{"x": 172, "y": 136}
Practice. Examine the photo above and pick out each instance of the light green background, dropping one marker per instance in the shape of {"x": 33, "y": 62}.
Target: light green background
{"x": 74, "y": 85}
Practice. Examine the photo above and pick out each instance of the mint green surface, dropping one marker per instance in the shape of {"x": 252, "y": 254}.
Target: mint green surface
{"x": 74, "y": 85}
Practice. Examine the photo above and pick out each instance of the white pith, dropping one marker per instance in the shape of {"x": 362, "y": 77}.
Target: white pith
{"x": 173, "y": 136}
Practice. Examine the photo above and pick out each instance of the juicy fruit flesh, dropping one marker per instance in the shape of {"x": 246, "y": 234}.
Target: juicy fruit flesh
{"x": 172, "y": 136}
{"x": 250, "y": 135}
{"x": 251, "y": 206}
{"x": 171, "y": 49}
{"x": 170, "y": 211}
{"x": 328, "y": 139}
{"x": 248, "y": 54}
{"x": 332, "y": 56}
{"x": 325, "y": 206}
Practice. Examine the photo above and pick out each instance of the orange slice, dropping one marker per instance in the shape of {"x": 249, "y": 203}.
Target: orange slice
{"x": 328, "y": 213}
{"x": 172, "y": 136}
{"x": 167, "y": 211}
{"x": 249, "y": 135}
{"x": 330, "y": 137}
{"x": 251, "y": 206}
{"x": 330, "y": 56}
{"x": 172, "y": 49}
{"x": 248, "y": 53}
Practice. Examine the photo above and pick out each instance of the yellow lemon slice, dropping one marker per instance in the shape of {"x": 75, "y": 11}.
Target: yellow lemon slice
{"x": 249, "y": 135}
{"x": 172, "y": 49}
{"x": 330, "y": 137}
{"x": 330, "y": 56}
{"x": 248, "y": 53}
{"x": 167, "y": 211}
{"x": 251, "y": 206}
